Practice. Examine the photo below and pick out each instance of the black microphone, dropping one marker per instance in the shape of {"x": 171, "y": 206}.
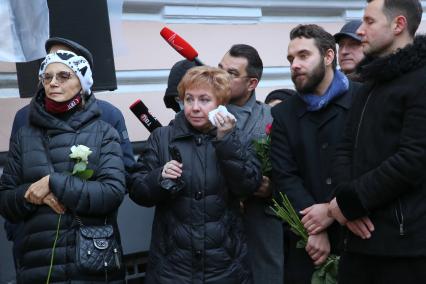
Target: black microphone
{"x": 142, "y": 113}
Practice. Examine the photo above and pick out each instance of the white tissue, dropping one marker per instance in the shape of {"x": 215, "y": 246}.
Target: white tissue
{"x": 222, "y": 110}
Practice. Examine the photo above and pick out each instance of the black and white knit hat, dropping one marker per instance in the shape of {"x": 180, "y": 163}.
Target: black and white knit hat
{"x": 78, "y": 64}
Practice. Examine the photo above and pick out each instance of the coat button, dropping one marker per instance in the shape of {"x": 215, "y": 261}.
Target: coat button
{"x": 324, "y": 146}
{"x": 197, "y": 253}
{"x": 198, "y": 195}
{"x": 198, "y": 141}
{"x": 328, "y": 180}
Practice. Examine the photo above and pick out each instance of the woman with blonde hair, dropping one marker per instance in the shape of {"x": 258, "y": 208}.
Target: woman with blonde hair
{"x": 195, "y": 171}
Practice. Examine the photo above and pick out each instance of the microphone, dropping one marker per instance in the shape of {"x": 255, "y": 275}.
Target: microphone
{"x": 180, "y": 45}
{"x": 142, "y": 113}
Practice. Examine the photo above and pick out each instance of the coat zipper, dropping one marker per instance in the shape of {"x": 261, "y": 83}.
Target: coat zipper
{"x": 400, "y": 218}
{"x": 46, "y": 139}
{"x": 361, "y": 118}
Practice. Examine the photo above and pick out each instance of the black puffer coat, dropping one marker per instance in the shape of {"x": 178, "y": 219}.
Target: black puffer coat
{"x": 381, "y": 165}
{"x": 197, "y": 235}
{"x": 92, "y": 200}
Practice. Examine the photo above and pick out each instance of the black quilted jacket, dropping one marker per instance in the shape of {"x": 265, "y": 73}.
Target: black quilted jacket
{"x": 92, "y": 200}
{"x": 197, "y": 235}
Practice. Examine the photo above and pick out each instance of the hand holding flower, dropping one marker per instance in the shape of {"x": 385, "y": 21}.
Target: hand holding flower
{"x": 38, "y": 191}
{"x": 318, "y": 248}
{"x": 51, "y": 201}
{"x": 264, "y": 190}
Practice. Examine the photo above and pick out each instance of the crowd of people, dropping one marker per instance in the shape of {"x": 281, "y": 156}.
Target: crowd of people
{"x": 348, "y": 149}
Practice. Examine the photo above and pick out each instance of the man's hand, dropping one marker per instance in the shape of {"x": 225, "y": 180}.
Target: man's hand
{"x": 335, "y": 212}
{"x": 361, "y": 227}
{"x": 318, "y": 247}
{"x": 38, "y": 191}
{"x": 51, "y": 201}
{"x": 264, "y": 190}
{"x": 316, "y": 219}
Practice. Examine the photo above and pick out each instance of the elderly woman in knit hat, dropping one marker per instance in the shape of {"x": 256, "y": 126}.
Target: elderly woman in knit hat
{"x": 63, "y": 171}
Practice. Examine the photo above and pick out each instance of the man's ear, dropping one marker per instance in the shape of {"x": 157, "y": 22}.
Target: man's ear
{"x": 399, "y": 24}
{"x": 329, "y": 57}
{"x": 253, "y": 82}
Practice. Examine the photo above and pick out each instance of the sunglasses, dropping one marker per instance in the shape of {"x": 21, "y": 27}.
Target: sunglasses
{"x": 60, "y": 77}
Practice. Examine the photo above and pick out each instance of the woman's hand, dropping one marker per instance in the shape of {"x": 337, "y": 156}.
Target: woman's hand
{"x": 224, "y": 124}
{"x": 172, "y": 170}
{"x": 51, "y": 201}
{"x": 38, "y": 191}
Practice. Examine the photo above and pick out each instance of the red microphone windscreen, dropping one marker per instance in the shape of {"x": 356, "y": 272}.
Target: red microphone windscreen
{"x": 179, "y": 44}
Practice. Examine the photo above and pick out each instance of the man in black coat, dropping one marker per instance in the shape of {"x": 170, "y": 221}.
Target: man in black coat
{"x": 305, "y": 132}
{"x": 381, "y": 164}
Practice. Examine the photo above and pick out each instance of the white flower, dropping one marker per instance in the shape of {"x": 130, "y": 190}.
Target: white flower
{"x": 80, "y": 152}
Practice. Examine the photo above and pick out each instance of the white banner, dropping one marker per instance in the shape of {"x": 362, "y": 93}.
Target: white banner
{"x": 24, "y": 28}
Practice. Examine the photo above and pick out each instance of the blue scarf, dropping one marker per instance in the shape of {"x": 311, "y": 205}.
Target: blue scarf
{"x": 338, "y": 87}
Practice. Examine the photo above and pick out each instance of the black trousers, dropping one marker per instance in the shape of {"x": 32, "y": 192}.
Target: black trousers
{"x": 298, "y": 266}
{"x": 367, "y": 269}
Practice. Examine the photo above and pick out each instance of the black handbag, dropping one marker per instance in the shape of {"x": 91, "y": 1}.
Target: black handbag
{"x": 97, "y": 249}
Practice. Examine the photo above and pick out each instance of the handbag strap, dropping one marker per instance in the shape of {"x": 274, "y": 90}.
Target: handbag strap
{"x": 81, "y": 224}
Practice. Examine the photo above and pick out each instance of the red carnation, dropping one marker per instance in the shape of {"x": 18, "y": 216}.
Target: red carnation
{"x": 268, "y": 128}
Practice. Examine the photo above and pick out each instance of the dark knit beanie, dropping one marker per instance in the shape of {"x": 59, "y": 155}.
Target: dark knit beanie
{"x": 176, "y": 74}
{"x": 280, "y": 94}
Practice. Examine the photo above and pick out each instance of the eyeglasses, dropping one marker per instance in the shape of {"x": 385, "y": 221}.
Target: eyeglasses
{"x": 61, "y": 77}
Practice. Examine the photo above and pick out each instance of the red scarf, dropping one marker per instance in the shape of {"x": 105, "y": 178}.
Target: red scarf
{"x": 61, "y": 107}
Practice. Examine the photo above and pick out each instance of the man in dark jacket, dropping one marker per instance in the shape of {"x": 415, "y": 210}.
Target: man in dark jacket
{"x": 381, "y": 164}
{"x": 263, "y": 228}
{"x": 305, "y": 132}
{"x": 350, "y": 49}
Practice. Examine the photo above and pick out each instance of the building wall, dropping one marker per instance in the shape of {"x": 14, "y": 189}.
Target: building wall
{"x": 143, "y": 58}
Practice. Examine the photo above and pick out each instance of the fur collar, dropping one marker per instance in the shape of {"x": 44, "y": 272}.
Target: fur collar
{"x": 405, "y": 60}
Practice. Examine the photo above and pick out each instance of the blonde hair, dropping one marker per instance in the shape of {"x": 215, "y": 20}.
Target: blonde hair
{"x": 218, "y": 80}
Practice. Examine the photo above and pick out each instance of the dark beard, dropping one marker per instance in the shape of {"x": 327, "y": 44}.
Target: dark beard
{"x": 314, "y": 79}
